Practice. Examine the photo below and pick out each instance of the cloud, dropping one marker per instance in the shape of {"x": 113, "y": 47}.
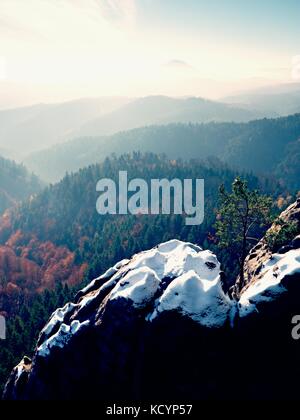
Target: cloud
{"x": 11, "y": 27}
{"x": 179, "y": 64}
{"x": 118, "y": 11}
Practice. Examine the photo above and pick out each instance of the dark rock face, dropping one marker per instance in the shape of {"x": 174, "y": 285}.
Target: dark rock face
{"x": 161, "y": 326}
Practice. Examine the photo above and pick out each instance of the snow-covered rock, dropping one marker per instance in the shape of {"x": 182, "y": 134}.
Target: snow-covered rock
{"x": 194, "y": 287}
{"x": 161, "y": 325}
{"x": 56, "y": 319}
{"x": 195, "y": 291}
{"x": 139, "y": 285}
{"x": 61, "y": 337}
{"x": 261, "y": 253}
{"x": 201, "y": 299}
{"x": 175, "y": 282}
{"x": 269, "y": 284}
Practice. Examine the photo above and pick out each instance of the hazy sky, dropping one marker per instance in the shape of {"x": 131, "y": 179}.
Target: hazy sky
{"x": 61, "y": 49}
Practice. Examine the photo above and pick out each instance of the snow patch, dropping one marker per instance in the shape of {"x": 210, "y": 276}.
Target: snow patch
{"x": 173, "y": 258}
{"x": 19, "y": 370}
{"x": 57, "y": 318}
{"x": 195, "y": 289}
{"x": 108, "y": 274}
{"x": 269, "y": 286}
{"x": 121, "y": 263}
{"x": 139, "y": 285}
{"x": 86, "y": 300}
{"x": 201, "y": 299}
{"x": 61, "y": 338}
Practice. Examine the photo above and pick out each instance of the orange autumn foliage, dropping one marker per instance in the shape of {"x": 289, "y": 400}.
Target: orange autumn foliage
{"x": 29, "y": 265}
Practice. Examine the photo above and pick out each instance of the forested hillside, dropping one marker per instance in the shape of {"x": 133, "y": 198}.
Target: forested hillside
{"x": 65, "y": 213}
{"x": 267, "y": 146}
{"x": 16, "y": 184}
{"x": 23, "y": 328}
{"x": 57, "y": 240}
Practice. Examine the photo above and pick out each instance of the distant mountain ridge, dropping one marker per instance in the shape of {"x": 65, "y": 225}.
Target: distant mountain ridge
{"x": 264, "y": 146}
{"x": 279, "y": 100}
{"x": 28, "y": 129}
{"x": 23, "y": 130}
{"x": 164, "y": 110}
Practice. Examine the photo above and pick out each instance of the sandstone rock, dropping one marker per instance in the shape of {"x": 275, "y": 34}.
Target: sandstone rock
{"x": 162, "y": 326}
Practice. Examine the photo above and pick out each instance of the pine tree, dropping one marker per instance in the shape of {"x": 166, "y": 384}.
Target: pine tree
{"x": 241, "y": 214}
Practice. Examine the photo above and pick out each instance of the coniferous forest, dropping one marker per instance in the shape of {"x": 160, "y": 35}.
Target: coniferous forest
{"x": 61, "y": 223}
{"x": 149, "y": 200}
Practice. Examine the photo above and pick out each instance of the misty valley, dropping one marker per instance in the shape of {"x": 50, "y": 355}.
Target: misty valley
{"x": 54, "y": 242}
{"x": 149, "y": 203}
